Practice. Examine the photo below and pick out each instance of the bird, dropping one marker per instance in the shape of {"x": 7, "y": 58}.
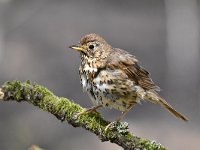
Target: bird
{"x": 114, "y": 78}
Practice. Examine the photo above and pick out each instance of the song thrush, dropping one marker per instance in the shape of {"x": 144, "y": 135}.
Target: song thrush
{"x": 113, "y": 78}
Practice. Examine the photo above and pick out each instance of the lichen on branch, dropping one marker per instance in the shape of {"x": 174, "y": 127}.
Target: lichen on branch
{"x": 66, "y": 110}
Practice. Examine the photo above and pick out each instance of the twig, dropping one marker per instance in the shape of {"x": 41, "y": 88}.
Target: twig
{"x": 65, "y": 110}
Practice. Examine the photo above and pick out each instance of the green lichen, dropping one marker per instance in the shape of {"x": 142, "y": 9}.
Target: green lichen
{"x": 151, "y": 145}
{"x": 66, "y": 110}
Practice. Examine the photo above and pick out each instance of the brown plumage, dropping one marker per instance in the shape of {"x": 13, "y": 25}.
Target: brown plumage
{"x": 113, "y": 78}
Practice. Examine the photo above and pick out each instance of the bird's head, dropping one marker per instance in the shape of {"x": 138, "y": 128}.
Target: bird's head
{"x": 92, "y": 46}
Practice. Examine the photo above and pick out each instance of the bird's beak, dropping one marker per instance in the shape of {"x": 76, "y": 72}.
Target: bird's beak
{"x": 77, "y": 47}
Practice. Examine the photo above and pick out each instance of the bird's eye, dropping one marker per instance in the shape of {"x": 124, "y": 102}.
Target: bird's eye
{"x": 91, "y": 46}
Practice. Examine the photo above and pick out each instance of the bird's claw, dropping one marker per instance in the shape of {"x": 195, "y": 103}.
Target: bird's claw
{"x": 89, "y": 110}
{"x": 120, "y": 127}
{"x": 79, "y": 114}
{"x": 1, "y": 94}
{"x": 110, "y": 125}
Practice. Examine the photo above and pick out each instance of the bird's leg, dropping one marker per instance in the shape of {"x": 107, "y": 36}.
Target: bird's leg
{"x": 120, "y": 117}
{"x": 123, "y": 114}
{"x": 89, "y": 110}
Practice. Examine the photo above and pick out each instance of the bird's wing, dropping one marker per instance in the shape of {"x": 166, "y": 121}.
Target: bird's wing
{"x": 120, "y": 59}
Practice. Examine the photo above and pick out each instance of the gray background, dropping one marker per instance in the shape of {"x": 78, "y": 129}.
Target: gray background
{"x": 34, "y": 40}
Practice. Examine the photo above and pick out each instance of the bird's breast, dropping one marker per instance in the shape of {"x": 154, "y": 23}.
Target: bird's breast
{"x": 87, "y": 74}
{"x": 110, "y": 88}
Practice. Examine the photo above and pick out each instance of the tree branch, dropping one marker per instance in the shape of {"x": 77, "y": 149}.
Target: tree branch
{"x": 65, "y": 110}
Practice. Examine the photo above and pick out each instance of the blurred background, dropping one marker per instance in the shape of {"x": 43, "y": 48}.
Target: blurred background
{"x": 34, "y": 40}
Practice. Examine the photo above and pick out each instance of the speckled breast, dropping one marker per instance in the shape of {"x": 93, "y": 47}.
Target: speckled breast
{"x": 111, "y": 88}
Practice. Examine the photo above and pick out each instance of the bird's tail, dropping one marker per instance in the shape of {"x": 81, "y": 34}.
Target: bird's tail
{"x": 155, "y": 98}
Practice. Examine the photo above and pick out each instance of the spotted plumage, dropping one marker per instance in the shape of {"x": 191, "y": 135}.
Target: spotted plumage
{"x": 113, "y": 78}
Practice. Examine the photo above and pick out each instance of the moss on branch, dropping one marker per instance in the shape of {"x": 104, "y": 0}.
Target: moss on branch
{"x": 65, "y": 110}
